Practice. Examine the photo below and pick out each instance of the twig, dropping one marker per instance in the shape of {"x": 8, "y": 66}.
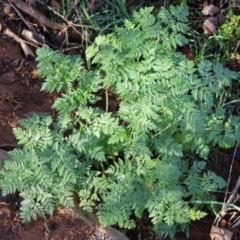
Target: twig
{"x": 236, "y": 47}
{"x": 20, "y": 15}
{"x": 15, "y": 100}
{"x": 238, "y": 182}
{"x": 27, "y": 51}
{"x": 20, "y": 65}
{"x": 106, "y": 94}
{"x": 237, "y": 223}
{"x": 63, "y": 18}
{"x": 91, "y": 6}
{"x": 69, "y": 49}
{"x": 44, "y": 21}
{"x": 228, "y": 203}
{"x": 80, "y": 20}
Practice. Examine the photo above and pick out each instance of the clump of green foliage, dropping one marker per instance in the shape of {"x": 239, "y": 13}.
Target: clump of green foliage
{"x": 92, "y": 17}
{"x": 226, "y": 40}
{"x": 230, "y": 32}
{"x": 135, "y": 156}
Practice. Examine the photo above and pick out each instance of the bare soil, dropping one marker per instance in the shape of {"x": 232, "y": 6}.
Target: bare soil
{"x": 19, "y": 90}
{"x": 57, "y": 227}
{"x": 19, "y": 96}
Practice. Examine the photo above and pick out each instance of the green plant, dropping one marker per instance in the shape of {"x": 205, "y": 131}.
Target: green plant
{"x": 95, "y": 16}
{"x": 133, "y": 153}
{"x": 104, "y": 15}
{"x": 227, "y": 37}
{"x": 230, "y": 32}
{"x": 90, "y": 17}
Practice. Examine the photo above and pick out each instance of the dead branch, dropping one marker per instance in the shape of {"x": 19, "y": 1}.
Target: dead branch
{"x": 44, "y": 21}
{"x": 27, "y": 51}
{"x": 20, "y": 15}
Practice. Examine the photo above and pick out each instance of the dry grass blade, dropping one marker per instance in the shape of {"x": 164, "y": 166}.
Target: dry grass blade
{"x": 228, "y": 204}
{"x": 27, "y": 51}
{"x": 20, "y": 15}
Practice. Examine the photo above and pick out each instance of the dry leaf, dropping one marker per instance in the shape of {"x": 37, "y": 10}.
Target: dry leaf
{"x": 210, "y": 25}
{"x": 210, "y": 10}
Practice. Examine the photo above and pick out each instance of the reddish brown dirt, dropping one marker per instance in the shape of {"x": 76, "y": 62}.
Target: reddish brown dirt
{"x": 19, "y": 90}
{"x": 59, "y": 227}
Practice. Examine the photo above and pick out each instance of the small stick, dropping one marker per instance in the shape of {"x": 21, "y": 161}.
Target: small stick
{"x": 236, "y": 47}
{"x": 20, "y": 15}
{"x": 238, "y": 182}
{"x": 27, "y": 51}
{"x": 231, "y": 198}
{"x": 63, "y": 18}
{"x": 106, "y": 94}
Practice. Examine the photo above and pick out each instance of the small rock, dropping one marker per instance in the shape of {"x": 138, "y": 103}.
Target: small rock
{"x": 210, "y": 25}
{"x": 7, "y": 77}
{"x": 36, "y": 98}
{"x": 37, "y": 87}
{"x": 59, "y": 40}
{"x": 109, "y": 233}
{"x": 210, "y": 10}
{"x": 220, "y": 233}
{"x": 106, "y": 233}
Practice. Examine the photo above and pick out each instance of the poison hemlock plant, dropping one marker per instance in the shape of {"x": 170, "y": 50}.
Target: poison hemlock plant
{"x": 132, "y": 157}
